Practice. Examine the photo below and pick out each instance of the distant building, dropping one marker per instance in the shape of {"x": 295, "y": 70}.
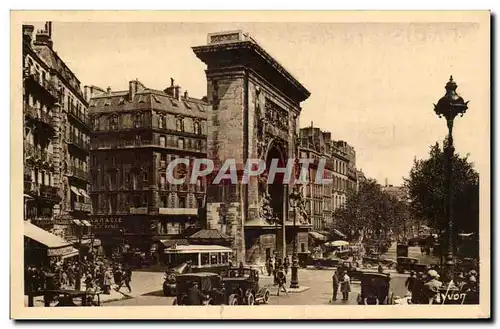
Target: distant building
{"x": 136, "y": 133}
{"x": 323, "y": 199}
{"x": 397, "y": 192}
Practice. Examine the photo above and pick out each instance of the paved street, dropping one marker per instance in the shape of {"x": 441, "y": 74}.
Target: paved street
{"x": 146, "y": 286}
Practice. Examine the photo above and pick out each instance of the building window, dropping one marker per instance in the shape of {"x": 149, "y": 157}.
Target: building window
{"x": 199, "y": 203}
{"x": 163, "y": 180}
{"x": 162, "y": 141}
{"x": 196, "y": 127}
{"x": 137, "y": 121}
{"x": 182, "y": 202}
{"x": 180, "y": 124}
{"x": 114, "y": 123}
{"x": 163, "y": 157}
{"x": 113, "y": 160}
{"x": 197, "y": 145}
{"x": 180, "y": 143}
{"x": 161, "y": 122}
{"x": 112, "y": 203}
{"x": 145, "y": 176}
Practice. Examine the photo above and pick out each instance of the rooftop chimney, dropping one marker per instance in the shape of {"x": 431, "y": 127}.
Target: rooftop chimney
{"x": 171, "y": 82}
{"x": 132, "y": 89}
{"x": 170, "y": 91}
{"x": 177, "y": 90}
{"x": 108, "y": 90}
{"x": 186, "y": 94}
{"x": 386, "y": 182}
{"x": 43, "y": 37}
{"x": 311, "y": 124}
{"x": 48, "y": 28}
{"x": 28, "y": 32}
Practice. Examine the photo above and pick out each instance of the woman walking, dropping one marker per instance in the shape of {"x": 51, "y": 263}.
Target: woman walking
{"x": 345, "y": 286}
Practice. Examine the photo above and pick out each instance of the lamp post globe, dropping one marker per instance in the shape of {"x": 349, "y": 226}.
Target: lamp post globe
{"x": 449, "y": 106}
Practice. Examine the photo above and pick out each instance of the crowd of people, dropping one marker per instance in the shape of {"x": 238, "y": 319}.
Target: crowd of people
{"x": 98, "y": 275}
{"x": 426, "y": 288}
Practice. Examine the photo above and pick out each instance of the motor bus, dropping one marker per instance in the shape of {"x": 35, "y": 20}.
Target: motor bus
{"x": 202, "y": 258}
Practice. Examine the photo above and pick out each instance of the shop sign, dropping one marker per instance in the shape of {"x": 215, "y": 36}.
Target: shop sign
{"x": 107, "y": 222}
{"x": 60, "y": 251}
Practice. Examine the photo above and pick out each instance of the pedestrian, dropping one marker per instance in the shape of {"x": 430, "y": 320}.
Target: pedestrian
{"x": 128, "y": 278}
{"x": 281, "y": 279}
{"x": 460, "y": 281}
{"x": 269, "y": 267}
{"x": 431, "y": 288}
{"x": 286, "y": 265}
{"x": 107, "y": 282}
{"x": 335, "y": 282}
{"x": 345, "y": 286}
{"x": 410, "y": 281}
{"x": 118, "y": 278}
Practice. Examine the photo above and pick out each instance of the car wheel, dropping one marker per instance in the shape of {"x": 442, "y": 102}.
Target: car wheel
{"x": 250, "y": 299}
{"x": 371, "y": 301}
{"x": 266, "y": 296}
{"x": 233, "y": 300}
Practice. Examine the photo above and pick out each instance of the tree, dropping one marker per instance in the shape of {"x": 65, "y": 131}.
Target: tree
{"x": 370, "y": 213}
{"x": 427, "y": 191}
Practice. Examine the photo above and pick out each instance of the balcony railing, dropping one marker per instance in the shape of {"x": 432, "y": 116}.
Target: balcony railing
{"x": 78, "y": 173}
{"x": 36, "y": 189}
{"x": 79, "y": 115}
{"x": 48, "y": 86}
{"x": 81, "y": 206}
{"x": 39, "y": 115}
{"x": 78, "y": 141}
{"x": 138, "y": 211}
{"x": 48, "y": 191}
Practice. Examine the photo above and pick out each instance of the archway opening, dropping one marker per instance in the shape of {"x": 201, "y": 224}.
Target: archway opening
{"x": 276, "y": 189}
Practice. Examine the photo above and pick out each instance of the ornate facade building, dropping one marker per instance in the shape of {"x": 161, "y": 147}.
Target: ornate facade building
{"x": 254, "y": 115}
{"x": 56, "y": 139}
{"x": 323, "y": 199}
{"x": 136, "y": 134}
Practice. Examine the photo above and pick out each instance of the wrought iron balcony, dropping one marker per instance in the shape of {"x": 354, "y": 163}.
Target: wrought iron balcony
{"x": 31, "y": 74}
{"x": 79, "y": 116}
{"x": 37, "y": 114}
{"x": 78, "y": 173}
{"x": 79, "y": 142}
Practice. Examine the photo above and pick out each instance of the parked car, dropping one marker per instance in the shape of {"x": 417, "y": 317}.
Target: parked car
{"x": 72, "y": 298}
{"x": 210, "y": 284}
{"x": 375, "y": 289}
{"x": 244, "y": 283}
{"x": 410, "y": 264}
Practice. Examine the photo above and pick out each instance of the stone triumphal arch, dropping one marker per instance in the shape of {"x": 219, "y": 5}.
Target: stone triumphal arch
{"x": 254, "y": 115}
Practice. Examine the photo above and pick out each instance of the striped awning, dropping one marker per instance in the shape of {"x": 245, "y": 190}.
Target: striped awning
{"x": 86, "y": 223}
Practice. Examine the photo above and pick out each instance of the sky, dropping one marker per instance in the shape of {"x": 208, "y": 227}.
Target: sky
{"x": 372, "y": 84}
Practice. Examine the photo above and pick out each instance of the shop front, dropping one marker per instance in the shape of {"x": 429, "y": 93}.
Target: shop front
{"x": 42, "y": 247}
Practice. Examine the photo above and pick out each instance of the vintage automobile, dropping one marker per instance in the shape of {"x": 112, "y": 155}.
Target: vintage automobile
{"x": 327, "y": 262}
{"x": 244, "y": 283}
{"x": 71, "y": 298}
{"x": 402, "y": 250}
{"x": 409, "y": 264}
{"x": 305, "y": 259}
{"x": 210, "y": 284}
{"x": 370, "y": 261}
{"x": 375, "y": 289}
{"x": 169, "y": 280}
{"x": 352, "y": 268}
{"x": 203, "y": 258}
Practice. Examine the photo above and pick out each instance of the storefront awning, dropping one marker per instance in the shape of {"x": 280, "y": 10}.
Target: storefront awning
{"x": 317, "y": 236}
{"x": 337, "y": 232}
{"x": 75, "y": 190}
{"x": 46, "y": 238}
{"x": 83, "y": 193}
{"x": 77, "y": 222}
{"x": 86, "y": 223}
{"x": 64, "y": 252}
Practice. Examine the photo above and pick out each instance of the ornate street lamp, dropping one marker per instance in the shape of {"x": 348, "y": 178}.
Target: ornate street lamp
{"x": 294, "y": 202}
{"x": 449, "y": 106}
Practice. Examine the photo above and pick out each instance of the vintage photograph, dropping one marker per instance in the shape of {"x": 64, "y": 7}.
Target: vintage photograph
{"x": 332, "y": 163}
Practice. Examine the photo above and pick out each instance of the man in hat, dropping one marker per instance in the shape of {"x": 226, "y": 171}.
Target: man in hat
{"x": 336, "y": 283}
{"x": 410, "y": 281}
{"x": 281, "y": 278}
{"x": 432, "y": 286}
{"x": 460, "y": 281}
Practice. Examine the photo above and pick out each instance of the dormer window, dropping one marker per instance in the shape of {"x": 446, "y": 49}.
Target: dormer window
{"x": 114, "y": 123}
{"x": 180, "y": 124}
{"x": 197, "y": 128}
{"x": 107, "y": 102}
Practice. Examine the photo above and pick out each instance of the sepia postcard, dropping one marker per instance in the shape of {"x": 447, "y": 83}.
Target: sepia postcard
{"x": 250, "y": 165}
